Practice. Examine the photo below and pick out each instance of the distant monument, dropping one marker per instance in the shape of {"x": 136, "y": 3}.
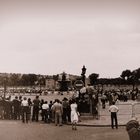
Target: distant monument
{"x": 63, "y": 82}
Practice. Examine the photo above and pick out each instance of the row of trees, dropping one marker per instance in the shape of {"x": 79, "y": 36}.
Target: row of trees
{"x": 127, "y": 77}
{"x": 21, "y": 80}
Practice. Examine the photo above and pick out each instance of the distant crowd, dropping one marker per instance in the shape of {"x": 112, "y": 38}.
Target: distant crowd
{"x": 119, "y": 95}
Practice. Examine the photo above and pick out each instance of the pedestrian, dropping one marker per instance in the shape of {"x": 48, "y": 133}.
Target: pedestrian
{"x": 41, "y": 103}
{"x": 114, "y": 109}
{"x": 25, "y": 110}
{"x": 74, "y": 114}
{"x": 30, "y": 108}
{"x": 36, "y": 105}
{"x": 50, "y": 112}
{"x": 103, "y": 100}
{"x": 133, "y": 129}
{"x": 45, "y": 112}
{"x": 58, "y": 111}
{"x": 7, "y": 109}
{"x": 20, "y": 108}
{"x": 65, "y": 110}
{"x": 16, "y": 108}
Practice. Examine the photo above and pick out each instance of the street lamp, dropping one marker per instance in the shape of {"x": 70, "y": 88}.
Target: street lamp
{"x": 83, "y": 74}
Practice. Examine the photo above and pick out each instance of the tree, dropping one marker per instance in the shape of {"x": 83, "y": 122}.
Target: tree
{"x": 14, "y": 80}
{"x": 28, "y": 79}
{"x": 93, "y": 78}
{"x": 126, "y": 74}
{"x": 135, "y": 78}
{"x": 55, "y": 77}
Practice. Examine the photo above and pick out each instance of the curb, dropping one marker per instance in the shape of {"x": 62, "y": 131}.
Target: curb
{"x": 92, "y": 125}
{"x": 96, "y": 125}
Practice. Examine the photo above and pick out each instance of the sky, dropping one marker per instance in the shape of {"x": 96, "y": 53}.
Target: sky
{"x": 52, "y": 36}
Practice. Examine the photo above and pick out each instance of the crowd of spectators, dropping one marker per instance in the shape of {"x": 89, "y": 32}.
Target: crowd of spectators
{"x": 119, "y": 95}
{"x": 29, "y": 110}
{"x": 34, "y": 110}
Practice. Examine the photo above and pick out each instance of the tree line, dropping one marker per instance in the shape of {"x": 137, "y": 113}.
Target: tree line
{"x": 21, "y": 80}
{"x": 127, "y": 77}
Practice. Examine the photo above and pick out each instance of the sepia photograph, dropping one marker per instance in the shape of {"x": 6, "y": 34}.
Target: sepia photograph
{"x": 69, "y": 69}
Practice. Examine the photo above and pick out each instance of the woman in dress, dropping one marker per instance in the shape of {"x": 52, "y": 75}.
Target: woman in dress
{"x": 74, "y": 114}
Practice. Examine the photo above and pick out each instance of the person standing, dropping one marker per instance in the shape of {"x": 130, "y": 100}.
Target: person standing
{"x": 74, "y": 114}
{"x": 41, "y": 103}
{"x": 16, "y": 108}
{"x": 114, "y": 109}
{"x": 50, "y": 111}
{"x": 25, "y": 110}
{"x": 58, "y": 111}
{"x": 65, "y": 110}
{"x": 30, "y": 108}
{"x": 45, "y": 112}
{"x": 36, "y": 105}
{"x": 20, "y": 108}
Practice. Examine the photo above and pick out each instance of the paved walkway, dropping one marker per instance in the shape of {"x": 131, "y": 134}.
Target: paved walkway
{"x": 103, "y": 121}
{"x": 16, "y": 130}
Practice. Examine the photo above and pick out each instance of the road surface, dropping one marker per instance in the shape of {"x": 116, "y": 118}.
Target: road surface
{"x": 16, "y": 130}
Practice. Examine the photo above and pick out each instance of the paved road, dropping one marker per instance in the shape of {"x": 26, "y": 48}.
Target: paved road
{"x": 12, "y": 130}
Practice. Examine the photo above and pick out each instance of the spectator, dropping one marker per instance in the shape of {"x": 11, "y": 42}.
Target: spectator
{"x": 58, "y": 111}
{"x": 25, "y": 110}
{"x": 65, "y": 105}
{"x": 114, "y": 109}
{"x": 30, "y": 108}
{"x": 74, "y": 114}
{"x": 16, "y": 108}
{"x": 41, "y": 103}
{"x": 36, "y": 105}
{"x": 50, "y": 111}
{"x": 45, "y": 112}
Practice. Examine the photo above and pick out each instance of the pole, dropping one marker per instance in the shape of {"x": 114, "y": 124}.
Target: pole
{"x": 133, "y": 112}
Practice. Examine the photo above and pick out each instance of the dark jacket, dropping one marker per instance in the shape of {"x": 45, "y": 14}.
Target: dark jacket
{"x": 133, "y": 130}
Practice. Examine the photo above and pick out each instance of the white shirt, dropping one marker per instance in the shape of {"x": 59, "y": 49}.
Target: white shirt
{"x": 45, "y": 106}
{"x": 73, "y": 107}
{"x": 24, "y": 103}
{"x": 113, "y": 108}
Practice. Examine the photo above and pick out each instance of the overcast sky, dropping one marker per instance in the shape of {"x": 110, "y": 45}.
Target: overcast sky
{"x": 49, "y": 37}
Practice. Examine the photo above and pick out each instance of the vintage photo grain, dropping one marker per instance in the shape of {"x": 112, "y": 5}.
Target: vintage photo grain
{"x": 69, "y": 69}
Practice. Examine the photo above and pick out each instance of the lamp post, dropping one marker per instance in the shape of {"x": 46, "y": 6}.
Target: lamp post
{"x": 83, "y": 74}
